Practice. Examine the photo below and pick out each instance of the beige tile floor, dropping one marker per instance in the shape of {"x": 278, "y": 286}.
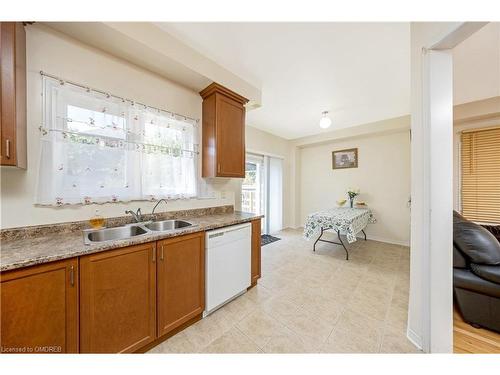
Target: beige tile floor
{"x": 309, "y": 302}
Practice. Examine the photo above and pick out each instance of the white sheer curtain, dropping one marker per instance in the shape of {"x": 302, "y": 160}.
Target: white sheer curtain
{"x": 275, "y": 195}
{"x": 97, "y": 148}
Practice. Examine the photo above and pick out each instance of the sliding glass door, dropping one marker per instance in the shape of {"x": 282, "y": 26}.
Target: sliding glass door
{"x": 252, "y": 189}
{"x": 262, "y": 190}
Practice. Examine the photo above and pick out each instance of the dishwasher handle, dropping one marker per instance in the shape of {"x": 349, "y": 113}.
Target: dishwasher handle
{"x": 223, "y": 235}
{"x": 225, "y": 232}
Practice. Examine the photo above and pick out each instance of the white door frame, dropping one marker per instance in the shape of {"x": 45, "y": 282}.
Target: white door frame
{"x": 430, "y": 312}
{"x": 438, "y": 130}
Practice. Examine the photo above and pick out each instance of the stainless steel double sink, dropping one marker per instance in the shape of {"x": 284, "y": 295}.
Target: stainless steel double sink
{"x": 132, "y": 230}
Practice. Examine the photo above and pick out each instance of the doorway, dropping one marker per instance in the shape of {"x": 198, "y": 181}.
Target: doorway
{"x": 430, "y": 315}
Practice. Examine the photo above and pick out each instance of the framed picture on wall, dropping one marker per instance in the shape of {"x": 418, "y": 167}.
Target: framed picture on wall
{"x": 342, "y": 159}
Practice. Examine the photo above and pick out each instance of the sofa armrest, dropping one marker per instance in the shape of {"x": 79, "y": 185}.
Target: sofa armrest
{"x": 493, "y": 229}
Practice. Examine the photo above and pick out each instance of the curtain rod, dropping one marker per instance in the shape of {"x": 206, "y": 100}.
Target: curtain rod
{"x": 118, "y": 140}
{"x": 133, "y": 102}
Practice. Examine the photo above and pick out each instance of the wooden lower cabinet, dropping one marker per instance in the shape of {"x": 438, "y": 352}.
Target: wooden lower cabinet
{"x": 39, "y": 309}
{"x": 118, "y": 299}
{"x": 256, "y": 256}
{"x": 181, "y": 280}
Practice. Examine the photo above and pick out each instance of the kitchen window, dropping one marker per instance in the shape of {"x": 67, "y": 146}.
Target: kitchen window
{"x": 98, "y": 148}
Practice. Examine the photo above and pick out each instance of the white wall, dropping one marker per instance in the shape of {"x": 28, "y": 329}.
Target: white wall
{"x": 383, "y": 175}
{"x": 476, "y": 66}
{"x": 387, "y": 126}
{"x": 56, "y": 54}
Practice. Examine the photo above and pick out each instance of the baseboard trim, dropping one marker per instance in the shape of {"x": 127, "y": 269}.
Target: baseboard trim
{"x": 380, "y": 239}
{"x": 290, "y": 228}
{"x": 414, "y": 338}
{"x": 370, "y": 237}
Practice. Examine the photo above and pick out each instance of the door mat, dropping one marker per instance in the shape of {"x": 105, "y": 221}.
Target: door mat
{"x": 267, "y": 239}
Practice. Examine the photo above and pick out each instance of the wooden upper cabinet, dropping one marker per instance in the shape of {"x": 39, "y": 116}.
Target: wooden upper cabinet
{"x": 39, "y": 309}
{"x": 12, "y": 94}
{"x": 256, "y": 251}
{"x": 181, "y": 280}
{"x": 118, "y": 300}
{"x": 223, "y": 132}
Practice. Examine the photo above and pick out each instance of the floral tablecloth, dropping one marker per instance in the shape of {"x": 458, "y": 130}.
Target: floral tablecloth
{"x": 344, "y": 219}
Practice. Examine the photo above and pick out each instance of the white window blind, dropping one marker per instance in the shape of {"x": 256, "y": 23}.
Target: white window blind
{"x": 480, "y": 175}
{"x": 98, "y": 148}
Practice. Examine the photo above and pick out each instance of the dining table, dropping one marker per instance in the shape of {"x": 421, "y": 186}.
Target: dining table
{"x": 348, "y": 221}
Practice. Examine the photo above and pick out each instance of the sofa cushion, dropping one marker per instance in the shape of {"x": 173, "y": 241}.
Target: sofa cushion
{"x": 490, "y": 273}
{"x": 465, "y": 279}
{"x": 479, "y": 245}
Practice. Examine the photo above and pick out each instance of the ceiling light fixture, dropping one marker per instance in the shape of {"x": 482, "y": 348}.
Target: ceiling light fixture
{"x": 325, "y": 121}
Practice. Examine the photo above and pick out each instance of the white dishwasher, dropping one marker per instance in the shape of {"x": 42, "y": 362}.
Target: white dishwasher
{"x": 228, "y": 254}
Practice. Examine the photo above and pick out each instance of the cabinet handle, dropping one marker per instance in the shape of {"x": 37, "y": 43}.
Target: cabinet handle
{"x": 154, "y": 254}
{"x": 72, "y": 276}
{"x": 7, "y": 148}
{"x": 161, "y": 253}
{"x": 218, "y": 167}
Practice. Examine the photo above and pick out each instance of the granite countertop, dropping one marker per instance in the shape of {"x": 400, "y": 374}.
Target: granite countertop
{"x": 48, "y": 247}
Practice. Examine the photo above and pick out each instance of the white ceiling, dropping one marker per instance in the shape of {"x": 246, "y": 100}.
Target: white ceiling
{"x": 360, "y": 72}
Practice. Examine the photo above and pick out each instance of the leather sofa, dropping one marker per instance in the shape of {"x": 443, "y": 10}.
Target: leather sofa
{"x": 476, "y": 273}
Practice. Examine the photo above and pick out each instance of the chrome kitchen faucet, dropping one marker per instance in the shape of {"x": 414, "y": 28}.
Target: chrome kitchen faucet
{"x": 156, "y": 205}
{"x": 136, "y": 215}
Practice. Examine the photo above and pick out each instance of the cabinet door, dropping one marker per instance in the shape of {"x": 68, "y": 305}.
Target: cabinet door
{"x": 39, "y": 309}
{"x": 256, "y": 256}
{"x": 181, "y": 280}
{"x": 118, "y": 300}
{"x": 8, "y": 92}
{"x": 12, "y": 94}
{"x": 230, "y": 136}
